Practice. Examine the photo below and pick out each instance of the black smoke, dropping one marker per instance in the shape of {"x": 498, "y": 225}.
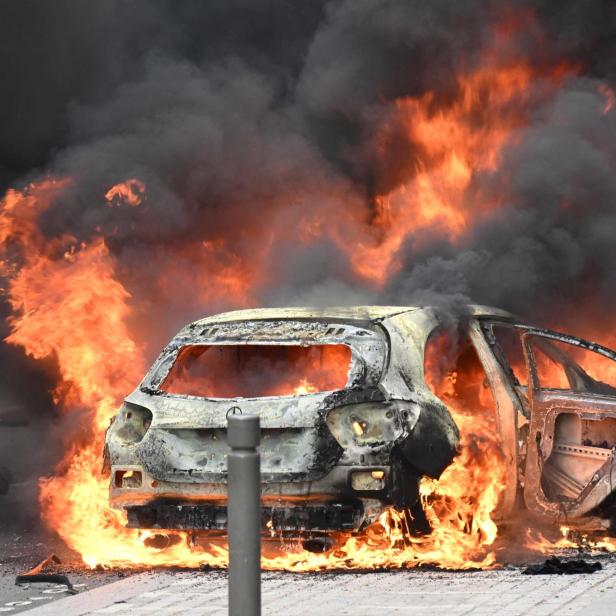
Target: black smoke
{"x": 240, "y": 115}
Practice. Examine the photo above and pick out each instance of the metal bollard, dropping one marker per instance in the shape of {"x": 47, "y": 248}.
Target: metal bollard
{"x": 244, "y": 515}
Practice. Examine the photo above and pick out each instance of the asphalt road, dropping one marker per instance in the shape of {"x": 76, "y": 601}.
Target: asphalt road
{"x": 23, "y": 547}
{"x": 24, "y": 544}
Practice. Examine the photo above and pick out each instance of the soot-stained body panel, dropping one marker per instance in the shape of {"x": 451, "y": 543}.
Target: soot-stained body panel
{"x": 349, "y": 422}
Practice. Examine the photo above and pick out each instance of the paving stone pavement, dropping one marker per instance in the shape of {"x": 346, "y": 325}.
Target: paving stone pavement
{"x": 416, "y": 592}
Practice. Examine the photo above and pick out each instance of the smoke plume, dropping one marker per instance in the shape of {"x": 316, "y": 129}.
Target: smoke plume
{"x": 266, "y": 135}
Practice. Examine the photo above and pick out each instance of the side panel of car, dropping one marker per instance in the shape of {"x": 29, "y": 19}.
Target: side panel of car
{"x": 434, "y": 439}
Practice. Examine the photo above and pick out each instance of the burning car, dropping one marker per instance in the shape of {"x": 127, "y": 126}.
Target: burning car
{"x": 357, "y": 406}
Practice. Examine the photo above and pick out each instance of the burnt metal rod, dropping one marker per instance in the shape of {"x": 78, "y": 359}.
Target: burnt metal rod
{"x": 244, "y": 515}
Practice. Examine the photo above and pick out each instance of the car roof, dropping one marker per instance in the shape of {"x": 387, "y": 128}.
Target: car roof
{"x": 353, "y": 313}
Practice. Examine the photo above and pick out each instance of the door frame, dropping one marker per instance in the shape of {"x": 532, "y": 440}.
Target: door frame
{"x": 545, "y": 407}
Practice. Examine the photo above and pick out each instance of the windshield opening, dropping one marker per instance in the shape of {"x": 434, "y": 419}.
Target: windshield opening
{"x": 255, "y": 371}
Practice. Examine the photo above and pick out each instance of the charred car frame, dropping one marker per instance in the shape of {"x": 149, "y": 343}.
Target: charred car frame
{"x": 334, "y": 458}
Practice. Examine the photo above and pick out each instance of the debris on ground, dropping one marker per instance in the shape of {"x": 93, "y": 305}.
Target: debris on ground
{"x": 559, "y": 566}
{"x": 37, "y": 574}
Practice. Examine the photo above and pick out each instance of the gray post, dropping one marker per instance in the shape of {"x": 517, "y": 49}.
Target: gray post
{"x": 244, "y": 516}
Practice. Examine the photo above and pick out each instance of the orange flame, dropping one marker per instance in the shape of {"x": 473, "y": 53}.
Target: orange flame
{"x": 452, "y": 143}
{"x": 610, "y": 97}
{"x": 72, "y": 307}
{"x": 69, "y": 304}
{"x": 130, "y": 193}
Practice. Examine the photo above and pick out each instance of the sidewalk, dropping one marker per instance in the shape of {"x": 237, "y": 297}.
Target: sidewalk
{"x": 507, "y": 592}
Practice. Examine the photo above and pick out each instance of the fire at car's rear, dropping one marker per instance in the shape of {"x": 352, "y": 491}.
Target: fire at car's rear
{"x": 334, "y": 446}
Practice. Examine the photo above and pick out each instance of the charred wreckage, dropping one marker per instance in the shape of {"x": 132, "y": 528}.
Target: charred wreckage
{"x": 349, "y": 424}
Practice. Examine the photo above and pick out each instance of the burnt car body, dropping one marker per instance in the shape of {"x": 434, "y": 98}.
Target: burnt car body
{"x": 334, "y": 458}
